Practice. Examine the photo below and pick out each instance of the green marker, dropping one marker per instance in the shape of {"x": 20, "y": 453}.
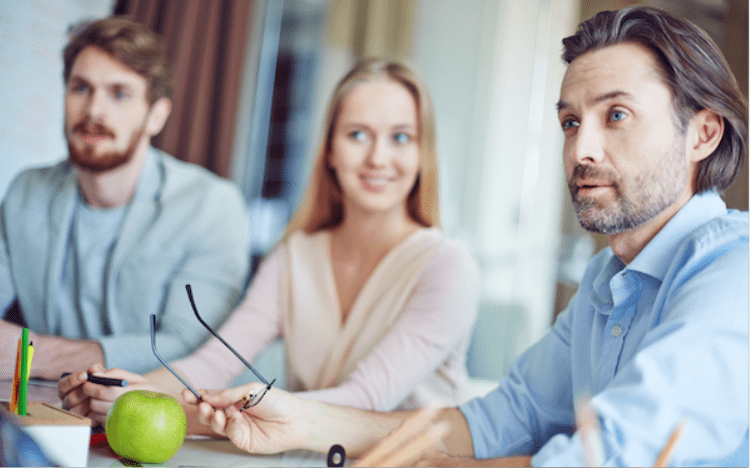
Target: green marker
{"x": 23, "y": 383}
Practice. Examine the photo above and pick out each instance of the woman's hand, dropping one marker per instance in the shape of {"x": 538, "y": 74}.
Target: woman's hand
{"x": 279, "y": 422}
{"x": 92, "y": 400}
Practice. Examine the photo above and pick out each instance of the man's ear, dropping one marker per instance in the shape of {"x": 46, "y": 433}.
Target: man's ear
{"x": 705, "y": 131}
{"x": 158, "y": 115}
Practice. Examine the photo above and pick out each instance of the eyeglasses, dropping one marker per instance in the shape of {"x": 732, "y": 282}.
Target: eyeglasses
{"x": 164, "y": 363}
{"x": 250, "y": 400}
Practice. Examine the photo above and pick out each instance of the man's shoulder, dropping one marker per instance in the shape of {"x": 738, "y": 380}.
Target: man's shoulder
{"x": 35, "y": 182}
{"x": 719, "y": 245}
{"x": 46, "y": 173}
{"x": 720, "y": 232}
{"x": 192, "y": 182}
{"x": 187, "y": 173}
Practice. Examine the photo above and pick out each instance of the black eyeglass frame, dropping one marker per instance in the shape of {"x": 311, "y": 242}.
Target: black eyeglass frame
{"x": 249, "y": 402}
{"x": 164, "y": 363}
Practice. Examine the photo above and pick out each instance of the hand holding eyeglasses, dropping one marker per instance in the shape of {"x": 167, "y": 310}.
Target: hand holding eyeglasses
{"x": 93, "y": 401}
{"x": 254, "y": 398}
{"x": 272, "y": 427}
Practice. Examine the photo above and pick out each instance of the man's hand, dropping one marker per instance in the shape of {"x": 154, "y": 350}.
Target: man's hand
{"x": 88, "y": 399}
{"x": 282, "y": 421}
{"x": 53, "y": 355}
{"x": 278, "y": 423}
{"x": 9, "y": 335}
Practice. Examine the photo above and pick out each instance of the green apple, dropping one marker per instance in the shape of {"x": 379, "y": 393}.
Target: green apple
{"x": 145, "y": 426}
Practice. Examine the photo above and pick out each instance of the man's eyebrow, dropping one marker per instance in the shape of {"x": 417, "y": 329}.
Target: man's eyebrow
{"x": 78, "y": 78}
{"x": 563, "y": 104}
{"x": 120, "y": 85}
{"x": 611, "y": 95}
{"x": 124, "y": 84}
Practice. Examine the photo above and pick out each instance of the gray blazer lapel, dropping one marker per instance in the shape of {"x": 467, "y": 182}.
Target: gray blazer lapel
{"x": 140, "y": 214}
{"x": 60, "y": 221}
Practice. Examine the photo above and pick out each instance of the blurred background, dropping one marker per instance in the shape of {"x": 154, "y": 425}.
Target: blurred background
{"x": 253, "y": 78}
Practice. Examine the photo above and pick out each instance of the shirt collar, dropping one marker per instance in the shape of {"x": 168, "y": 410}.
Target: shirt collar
{"x": 656, "y": 256}
{"x": 601, "y": 292}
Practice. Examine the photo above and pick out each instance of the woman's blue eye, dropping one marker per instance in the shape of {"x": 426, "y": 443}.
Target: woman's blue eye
{"x": 401, "y": 138}
{"x": 617, "y": 115}
{"x": 358, "y": 135}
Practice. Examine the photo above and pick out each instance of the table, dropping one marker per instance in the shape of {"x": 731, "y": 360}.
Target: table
{"x": 195, "y": 451}
{"x": 207, "y": 451}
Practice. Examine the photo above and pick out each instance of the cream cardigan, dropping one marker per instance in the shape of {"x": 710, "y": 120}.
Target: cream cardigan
{"x": 404, "y": 341}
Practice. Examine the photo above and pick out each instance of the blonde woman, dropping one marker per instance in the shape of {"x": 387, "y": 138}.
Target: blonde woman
{"x": 375, "y": 305}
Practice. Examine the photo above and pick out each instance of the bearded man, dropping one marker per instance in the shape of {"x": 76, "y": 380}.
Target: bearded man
{"x": 92, "y": 246}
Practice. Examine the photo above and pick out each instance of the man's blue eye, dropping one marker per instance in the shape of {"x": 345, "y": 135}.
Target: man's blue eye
{"x": 121, "y": 95}
{"x": 401, "y": 138}
{"x": 617, "y": 115}
{"x": 567, "y": 124}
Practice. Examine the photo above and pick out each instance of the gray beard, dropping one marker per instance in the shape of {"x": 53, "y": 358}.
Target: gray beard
{"x": 650, "y": 195}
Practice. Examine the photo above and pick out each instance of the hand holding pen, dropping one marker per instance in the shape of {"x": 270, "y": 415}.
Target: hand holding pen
{"x": 91, "y": 393}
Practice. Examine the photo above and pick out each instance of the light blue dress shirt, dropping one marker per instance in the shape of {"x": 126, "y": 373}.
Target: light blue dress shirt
{"x": 658, "y": 340}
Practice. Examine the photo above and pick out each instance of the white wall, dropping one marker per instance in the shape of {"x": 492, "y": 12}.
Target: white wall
{"x": 494, "y": 70}
{"x": 32, "y": 36}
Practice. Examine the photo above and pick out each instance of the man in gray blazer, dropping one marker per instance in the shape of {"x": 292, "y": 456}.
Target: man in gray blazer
{"x": 93, "y": 245}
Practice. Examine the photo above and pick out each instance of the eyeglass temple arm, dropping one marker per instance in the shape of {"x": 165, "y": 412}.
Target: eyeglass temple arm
{"x": 195, "y": 309}
{"x": 156, "y": 353}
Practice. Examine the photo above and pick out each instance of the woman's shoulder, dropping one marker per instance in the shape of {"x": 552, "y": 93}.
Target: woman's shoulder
{"x": 450, "y": 256}
{"x": 446, "y": 248}
{"x": 450, "y": 278}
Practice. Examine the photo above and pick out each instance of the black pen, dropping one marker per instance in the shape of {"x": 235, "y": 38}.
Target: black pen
{"x": 102, "y": 380}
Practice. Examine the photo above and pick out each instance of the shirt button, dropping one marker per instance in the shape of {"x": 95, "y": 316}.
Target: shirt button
{"x": 616, "y": 330}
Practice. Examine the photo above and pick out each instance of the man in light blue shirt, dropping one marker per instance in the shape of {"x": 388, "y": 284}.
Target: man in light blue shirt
{"x": 92, "y": 246}
{"x": 655, "y": 128}
{"x": 658, "y": 331}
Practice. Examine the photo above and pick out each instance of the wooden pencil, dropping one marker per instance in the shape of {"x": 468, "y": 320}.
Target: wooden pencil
{"x": 666, "y": 452}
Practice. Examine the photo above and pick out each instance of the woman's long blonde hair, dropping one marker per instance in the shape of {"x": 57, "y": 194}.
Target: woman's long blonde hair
{"x": 322, "y": 203}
